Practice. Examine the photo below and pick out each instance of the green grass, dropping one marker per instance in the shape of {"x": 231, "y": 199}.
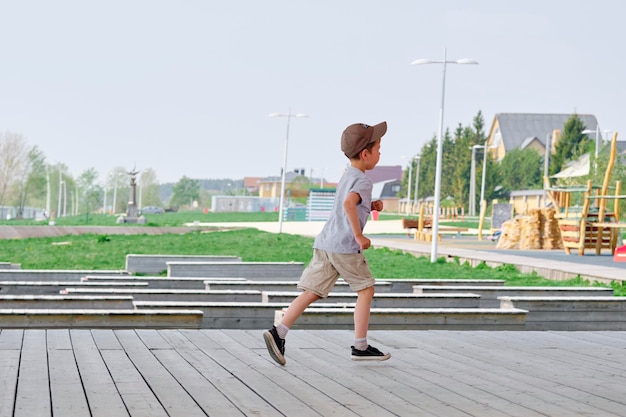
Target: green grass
{"x": 152, "y": 220}
{"x": 109, "y": 252}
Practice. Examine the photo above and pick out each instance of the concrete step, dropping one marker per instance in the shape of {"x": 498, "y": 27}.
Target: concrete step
{"x": 55, "y": 287}
{"x": 407, "y": 284}
{"x": 52, "y": 274}
{"x": 250, "y": 270}
{"x": 489, "y": 294}
{"x": 414, "y": 318}
{"x": 179, "y": 283}
{"x": 386, "y": 300}
{"x": 571, "y": 313}
{"x": 154, "y": 264}
{"x": 158, "y": 294}
{"x": 223, "y": 315}
{"x": 279, "y": 285}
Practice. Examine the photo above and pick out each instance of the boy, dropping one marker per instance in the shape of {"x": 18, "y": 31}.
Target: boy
{"x": 338, "y": 249}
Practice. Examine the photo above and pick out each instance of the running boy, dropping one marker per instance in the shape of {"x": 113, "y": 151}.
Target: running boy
{"x": 338, "y": 249}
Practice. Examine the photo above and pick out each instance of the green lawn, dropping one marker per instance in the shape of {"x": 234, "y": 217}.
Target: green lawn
{"x": 109, "y": 251}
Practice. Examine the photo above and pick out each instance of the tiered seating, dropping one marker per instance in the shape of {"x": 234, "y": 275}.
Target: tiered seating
{"x": 246, "y": 295}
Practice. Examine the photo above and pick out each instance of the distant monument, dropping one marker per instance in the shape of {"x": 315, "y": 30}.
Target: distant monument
{"x": 131, "y": 212}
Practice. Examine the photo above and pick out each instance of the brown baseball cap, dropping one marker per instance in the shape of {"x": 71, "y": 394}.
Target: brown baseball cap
{"x": 357, "y": 136}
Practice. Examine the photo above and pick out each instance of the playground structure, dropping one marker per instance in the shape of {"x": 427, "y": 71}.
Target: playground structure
{"x": 589, "y": 227}
{"x": 423, "y": 224}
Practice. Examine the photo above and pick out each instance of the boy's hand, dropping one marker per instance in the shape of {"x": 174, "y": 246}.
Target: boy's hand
{"x": 364, "y": 242}
{"x": 377, "y": 205}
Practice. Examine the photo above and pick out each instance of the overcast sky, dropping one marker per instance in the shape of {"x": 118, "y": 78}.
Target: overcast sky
{"x": 185, "y": 87}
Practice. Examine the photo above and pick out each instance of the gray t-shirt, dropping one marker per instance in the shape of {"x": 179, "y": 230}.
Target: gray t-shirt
{"x": 336, "y": 235}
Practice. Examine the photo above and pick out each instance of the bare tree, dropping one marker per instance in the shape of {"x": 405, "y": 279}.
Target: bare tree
{"x": 149, "y": 189}
{"x": 13, "y": 159}
{"x": 31, "y": 179}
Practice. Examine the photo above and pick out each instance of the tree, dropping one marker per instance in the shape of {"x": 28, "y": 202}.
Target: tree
{"x": 117, "y": 190}
{"x": 149, "y": 188}
{"x": 521, "y": 170}
{"x": 571, "y": 145}
{"x": 13, "y": 159}
{"x": 186, "y": 191}
{"x": 31, "y": 179}
{"x": 299, "y": 186}
{"x": 89, "y": 190}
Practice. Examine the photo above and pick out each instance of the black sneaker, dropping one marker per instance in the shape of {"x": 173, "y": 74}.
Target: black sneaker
{"x": 369, "y": 354}
{"x": 275, "y": 345}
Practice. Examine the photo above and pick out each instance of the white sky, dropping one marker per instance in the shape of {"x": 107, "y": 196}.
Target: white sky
{"x": 185, "y": 86}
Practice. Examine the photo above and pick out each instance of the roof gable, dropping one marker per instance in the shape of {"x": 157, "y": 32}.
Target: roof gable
{"x": 516, "y": 128}
{"x": 384, "y": 173}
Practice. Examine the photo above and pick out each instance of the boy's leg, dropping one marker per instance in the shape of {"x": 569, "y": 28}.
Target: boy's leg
{"x": 275, "y": 337}
{"x": 362, "y": 312}
{"x": 297, "y": 307}
{"x": 361, "y": 349}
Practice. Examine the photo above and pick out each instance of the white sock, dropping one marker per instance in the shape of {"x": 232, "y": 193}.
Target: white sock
{"x": 282, "y": 330}
{"x": 360, "y": 344}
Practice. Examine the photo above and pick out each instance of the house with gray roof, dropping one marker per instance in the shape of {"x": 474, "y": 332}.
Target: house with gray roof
{"x": 530, "y": 130}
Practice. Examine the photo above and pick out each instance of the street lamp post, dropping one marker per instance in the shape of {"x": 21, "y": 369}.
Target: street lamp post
{"x": 289, "y": 115}
{"x": 472, "y": 185}
{"x": 597, "y": 152}
{"x": 435, "y": 223}
{"x": 546, "y": 167}
{"x": 417, "y": 180}
{"x": 482, "y": 185}
{"x": 408, "y": 188}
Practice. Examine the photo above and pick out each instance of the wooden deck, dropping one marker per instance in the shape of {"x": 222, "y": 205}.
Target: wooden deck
{"x": 188, "y": 373}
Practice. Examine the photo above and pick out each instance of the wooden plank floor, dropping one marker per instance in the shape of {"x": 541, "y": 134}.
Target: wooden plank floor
{"x": 71, "y": 373}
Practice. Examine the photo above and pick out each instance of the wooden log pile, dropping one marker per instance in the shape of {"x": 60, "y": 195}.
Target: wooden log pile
{"x": 537, "y": 230}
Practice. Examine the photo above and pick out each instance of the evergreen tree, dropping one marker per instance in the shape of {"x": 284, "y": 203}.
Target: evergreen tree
{"x": 521, "y": 170}
{"x": 570, "y": 145}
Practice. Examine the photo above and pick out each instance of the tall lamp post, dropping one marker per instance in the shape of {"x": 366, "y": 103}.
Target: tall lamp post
{"x": 597, "y": 132}
{"x": 472, "y": 185}
{"x": 408, "y": 188}
{"x": 482, "y": 184}
{"x": 435, "y": 224}
{"x": 417, "y": 180}
{"x": 289, "y": 115}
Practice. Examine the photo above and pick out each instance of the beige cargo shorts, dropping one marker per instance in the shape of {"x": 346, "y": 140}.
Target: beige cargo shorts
{"x": 325, "y": 268}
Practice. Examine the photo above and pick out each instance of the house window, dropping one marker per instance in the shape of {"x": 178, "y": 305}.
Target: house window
{"x": 395, "y": 188}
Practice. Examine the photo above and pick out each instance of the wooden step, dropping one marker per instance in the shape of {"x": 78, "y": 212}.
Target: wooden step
{"x": 102, "y": 319}
{"x": 414, "y": 318}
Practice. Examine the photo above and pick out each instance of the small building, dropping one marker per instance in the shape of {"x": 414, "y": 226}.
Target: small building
{"x": 387, "y": 180}
{"x": 251, "y": 185}
{"x": 525, "y": 200}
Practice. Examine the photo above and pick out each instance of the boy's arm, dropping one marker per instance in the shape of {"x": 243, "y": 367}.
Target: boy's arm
{"x": 349, "y": 206}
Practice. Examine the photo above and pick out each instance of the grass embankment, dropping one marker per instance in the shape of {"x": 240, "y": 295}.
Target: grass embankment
{"x": 109, "y": 252}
